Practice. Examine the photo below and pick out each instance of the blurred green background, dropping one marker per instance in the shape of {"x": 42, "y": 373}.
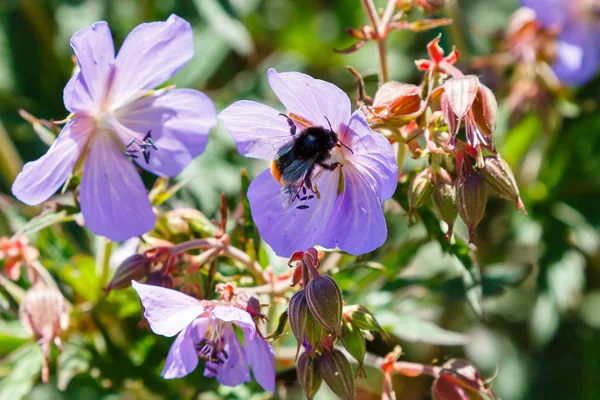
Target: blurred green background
{"x": 541, "y": 272}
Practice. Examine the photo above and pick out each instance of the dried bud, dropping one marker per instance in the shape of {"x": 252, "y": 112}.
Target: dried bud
{"x": 471, "y": 198}
{"x": 459, "y": 380}
{"x": 460, "y": 93}
{"x": 135, "y": 267}
{"x": 337, "y": 373}
{"x": 325, "y": 301}
{"x": 420, "y": 190}
{"x": 499, "y": 176}
{"x": 363, "y": 319}
{"x": 43, "y": 312}
{"x": 485, "y": 110}
{"x": 444, "y": 199}
{"x": 395, "y": 100}
{"x": 308, "y": 375}
{"x": 354, "y": 342}
{"x": 298, "y": 309}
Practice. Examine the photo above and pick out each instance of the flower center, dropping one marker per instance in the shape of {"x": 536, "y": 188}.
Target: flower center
{"x": 212, "y": 348}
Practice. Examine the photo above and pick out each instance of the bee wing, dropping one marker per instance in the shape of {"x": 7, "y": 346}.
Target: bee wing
{"x": 294, "y": 176}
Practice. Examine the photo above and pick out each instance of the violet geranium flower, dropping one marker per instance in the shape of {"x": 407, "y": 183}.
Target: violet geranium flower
{"x": 578, "y": 47}
{"x": 205, "y": 330}
{"x": 116, "y": 118}
{"x": 338, "y": 202}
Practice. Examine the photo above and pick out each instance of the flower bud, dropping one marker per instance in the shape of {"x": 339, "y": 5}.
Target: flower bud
{"x": 471, "y": 198}
{"x": 308, "y": 375}
{"x": 485, "y": 110}
{"x": 325, "y": 301}
{"x": 363, "y": 319}
{"x": 419, "y": 190}
{"x": 354, "y": 342}
{"x": 135, "y": 267}
{"x": 395, "y": 99}
{"x": 43, "y": 312}
{"x": 499, "y": 176}
{"x": 314, "y": 330}
{"x": 337, "y": 373}
{"x": 459, "y": 378}
{"x": 297, "y": 310}
{"x": 444, "y": 199}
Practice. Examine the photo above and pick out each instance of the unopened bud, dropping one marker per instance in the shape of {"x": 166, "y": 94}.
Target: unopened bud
{"x": 43, "y": 312}
{"x": 314, "y": 330}
{"x": 395, "y": 99}
{"x": 485, "y": 110}
{"x": 297, "y": 310}
{"x": 420, "y": 190}
{"x": 444, "y": 199}
{"x": 363, "y": 319}
{"x": 354, "y": 342}
{"x": 135, "y": 267}
{"x": 499, "y": 176}
{"x": 471, "y": 198}
{"x": 458, "y": 378}
{"x": 337, "y": 373}
{"x": 308, "y": 375}
{"x": 325, "y": 301}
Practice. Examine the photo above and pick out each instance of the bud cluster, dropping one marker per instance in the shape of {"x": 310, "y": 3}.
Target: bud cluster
{"x": 318, "y": 320}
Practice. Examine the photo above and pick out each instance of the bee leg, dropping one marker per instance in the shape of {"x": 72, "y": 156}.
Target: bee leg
{"x": 331, "y": 166}
{"x": 290, "y": 123}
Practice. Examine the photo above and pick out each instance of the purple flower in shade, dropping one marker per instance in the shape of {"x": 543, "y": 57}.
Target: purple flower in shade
{"x": 116, "y": 118}
{"x": 343, "y": 206}
{"x": 578, "y": 47}
{"x": 205, "y": 330}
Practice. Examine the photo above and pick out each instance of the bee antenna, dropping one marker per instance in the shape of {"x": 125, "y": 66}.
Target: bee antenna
{"x": 342, "y": 144}
{"x": 330, "y": 128}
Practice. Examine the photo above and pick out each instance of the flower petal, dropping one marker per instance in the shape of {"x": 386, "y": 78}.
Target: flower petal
{"x": 262, "y": 359}
{"x": 179, "y": 121}
{"x": 95, "y": 53}
{"x": 234, "y": 371}
{"x": 114, "y": 201}
{"x": 291, "y": 229}
{"x": 312, "y": 99}
{"x": 236, "y": 315}
{"x": 578, "y": 54}
{"x": 372, "y": 155}
{"x": 357, "y": 225}
{"x": 259, "y": 131}
{"x": 151, "y": 54}
{"x": 182, "y": 358}
{"x": 167, "y": 311}
{"x": 40, "y": 179}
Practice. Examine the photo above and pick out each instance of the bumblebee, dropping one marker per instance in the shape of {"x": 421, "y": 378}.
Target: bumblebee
{"x": 294, "y": 163}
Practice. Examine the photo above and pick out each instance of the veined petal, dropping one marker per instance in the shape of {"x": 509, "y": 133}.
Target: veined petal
{"x": 357, "y": 225}
{"x": 578, "y": 54}
{"x": 291, "y": 229}
{"x": 151, "y": 54}
{"x": 259, "y": 131}
{"x": 179, "y": 121}
{"x": 372, "y": 156}
{"x": 549, "y": 12}
{"x": 262, "y": 359}
{"x": 236, "y": 315}
{"x": 234, "y": 371}
{"x": 95, "y": 51}
{"x": 182, "y": 358}
{"x": 314, "y": 100}
{"x": 40, "y": 179}
{"x": 167, "y": 311}
{"x": 114, "y": 201}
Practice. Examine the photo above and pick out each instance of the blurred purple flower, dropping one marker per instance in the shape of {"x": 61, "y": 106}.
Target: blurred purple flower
{"x": 345, "y": 208}
{"x": 578, "y": 47}
{"x": 117, "y": 118}
{"x": 206, "y": 331}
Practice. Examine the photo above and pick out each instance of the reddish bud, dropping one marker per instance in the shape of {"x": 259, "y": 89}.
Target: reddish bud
{"x": 461, "y": 93}
{"x": 43, "y": 312}
{"x": 308, "y": 375}
{"x": 395, "y": 99}
{"x": 485, "y": 110}
{"x": 135, "y": 267}
{"x": 16, "y": 253}
{"x": 499, "y": 176}
{"x": 325, "y": 301}
{"x": 337, "y": 373}
{"x": 459, "y": 380}
{"x": 297, "y": 310}
{"x": 471, "y": 198}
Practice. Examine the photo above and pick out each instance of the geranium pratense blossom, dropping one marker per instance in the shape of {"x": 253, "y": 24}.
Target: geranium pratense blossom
{"x": 578, "y": 47}
{"x": 118, "y": 118}
{"x": 205, "y": 330}
{"x": 344, "y": 209}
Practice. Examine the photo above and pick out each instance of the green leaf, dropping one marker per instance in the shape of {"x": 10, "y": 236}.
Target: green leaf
{"x": 19, "y": 371}
{"x": 81, "y": 275}
{"x": 73, "y": 360}
{"x": 416, "y": 330}
{"x": 42, "y": 221}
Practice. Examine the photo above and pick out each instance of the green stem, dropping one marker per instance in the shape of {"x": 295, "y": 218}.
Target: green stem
{"x": 103, "y": 252}
{"x": 10, "y": 161}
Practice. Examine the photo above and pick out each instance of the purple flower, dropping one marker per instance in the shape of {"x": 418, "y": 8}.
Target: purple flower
{"x": 116, "y": 118}
{"x": 578, "y": 47}
{"x": 338, "y": 207}
{"x": 205, "y": 330}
